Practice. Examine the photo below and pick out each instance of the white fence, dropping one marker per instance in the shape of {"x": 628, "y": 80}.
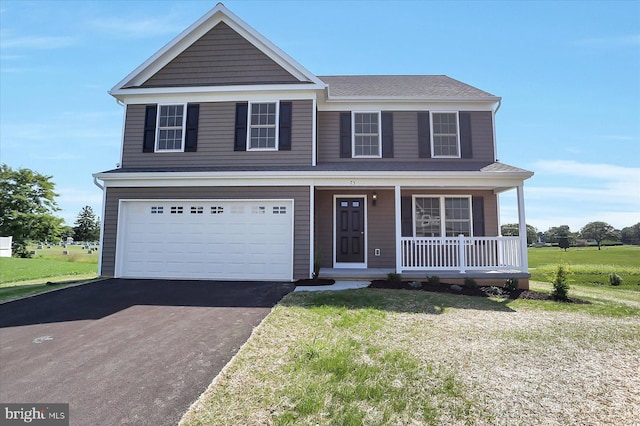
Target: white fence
{"x": 461, "y": 253}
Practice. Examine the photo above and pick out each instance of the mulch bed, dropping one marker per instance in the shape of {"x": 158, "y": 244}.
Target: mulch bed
{"x": 469, "y": 291}
{"x": 319, "y": 281}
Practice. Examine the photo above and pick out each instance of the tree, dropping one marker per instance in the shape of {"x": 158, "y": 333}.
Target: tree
{"x": 555, "y": 233}
{"x": 599, "y": 231}
{"x": 87, "y": 227}
{"x": 631, "y": 234}
{"x": 513, "y": 230}
{"x": 27, "y": 204}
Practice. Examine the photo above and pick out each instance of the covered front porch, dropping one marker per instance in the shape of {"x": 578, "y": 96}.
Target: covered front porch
{"x": 384, "y": 229}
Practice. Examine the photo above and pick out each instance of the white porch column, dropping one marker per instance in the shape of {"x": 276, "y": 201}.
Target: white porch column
{"x": 312, "y": 215}
{"x": 524, "y": 267}
{"x": 398, "y": 222}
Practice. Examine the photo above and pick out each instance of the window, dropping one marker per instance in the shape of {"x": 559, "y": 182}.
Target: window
{"x": 217, "y": 209}
{"x": 366, "y": 134}
{"x": 263, "y": 131}
{"x": 171, "y": 120}
{"x": 197, "y": 210}
{"x": 444, "y": 128}
{"x": 176, "y": 209}
{"x": 429, "y": 211}
{"x": 157, "y": 209}
{"x": 279, "y": 210}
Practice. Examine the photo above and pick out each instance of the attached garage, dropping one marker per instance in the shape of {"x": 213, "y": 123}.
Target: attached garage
{"x": 205, "y": 239}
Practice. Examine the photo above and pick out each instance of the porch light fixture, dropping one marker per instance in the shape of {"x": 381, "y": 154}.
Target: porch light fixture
{"x": 374, "y": 198}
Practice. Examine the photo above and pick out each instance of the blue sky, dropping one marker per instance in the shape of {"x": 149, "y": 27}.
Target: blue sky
{"x": 568, "y": 73}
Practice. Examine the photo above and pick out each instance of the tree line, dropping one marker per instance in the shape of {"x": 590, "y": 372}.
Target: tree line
{"x": 563, "y": 236}
{"x": 28, "y": 207}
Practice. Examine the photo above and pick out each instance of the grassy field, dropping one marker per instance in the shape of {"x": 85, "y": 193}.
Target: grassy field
{"x": 588, "y": 264}
{"x": 398, "y": 357}
{"x": 23, "y": 277}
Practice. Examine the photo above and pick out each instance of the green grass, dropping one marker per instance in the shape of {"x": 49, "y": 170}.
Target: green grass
{"x": 397, "y": 357}
{"x": 25, "y": 277}
{"x": 588, "y": 264}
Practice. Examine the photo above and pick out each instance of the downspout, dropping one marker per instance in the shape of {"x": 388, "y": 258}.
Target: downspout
{"x": 104, "y": 207}
{"x": 493, "y": 122}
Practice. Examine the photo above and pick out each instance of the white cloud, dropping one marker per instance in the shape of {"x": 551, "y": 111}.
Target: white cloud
{"x": 603, "y": 192}
{"x": 72, "y": 200}
{"x": 137, "y": 27}
{"x": 9, "y": 41}
{"x": 611, "y": 41}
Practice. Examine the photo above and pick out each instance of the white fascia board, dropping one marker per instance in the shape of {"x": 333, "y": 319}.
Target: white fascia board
{"x": 263, "y": 93}
{"x": 451, "y": 180}
{"x": 199, "y": 28}
{"x": 406, "y": 105}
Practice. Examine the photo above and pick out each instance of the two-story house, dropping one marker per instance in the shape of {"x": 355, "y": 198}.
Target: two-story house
{"x": 238, "y": 163}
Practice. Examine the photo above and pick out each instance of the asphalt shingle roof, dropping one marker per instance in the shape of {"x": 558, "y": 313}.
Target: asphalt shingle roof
{"x": 402, "y": 86}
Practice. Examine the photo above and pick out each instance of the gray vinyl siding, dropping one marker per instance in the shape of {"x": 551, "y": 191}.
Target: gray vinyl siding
{"x": 405, "y": 137}
{"x": 482, "y": 135}
{"x": 216, "y": 132}
{"x": 300, "y": 195}
{"x": 220, "y": 57}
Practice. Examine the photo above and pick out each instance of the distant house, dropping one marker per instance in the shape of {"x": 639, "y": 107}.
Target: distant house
{"x": 237, "y": 163}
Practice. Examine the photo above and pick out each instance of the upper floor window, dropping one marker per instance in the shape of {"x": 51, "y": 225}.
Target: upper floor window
{"x": 171, "y": 123}
{"x": 430, "y": 211}
{"x": 263, "y": 129}
{"x": 445, "y": 135}
{"x": 366, "y": 135}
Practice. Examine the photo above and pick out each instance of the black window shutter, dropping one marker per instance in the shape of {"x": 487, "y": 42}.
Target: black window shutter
{"x": 387, "y": 135}
{"x": 406, "y": 216}
{"x": 465, "y": 135}
{"x": 240, "y": 143}
{"x": 149, "y": 141}
{"x": 284, "y": 144}
{"x": 345, "y": 135}
{"x": 477, "y": 203}
{"x": 191, "y": 134}
{"x": 424, "y": 135}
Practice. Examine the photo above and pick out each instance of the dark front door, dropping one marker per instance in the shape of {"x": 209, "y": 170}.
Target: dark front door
{"x": 350, "y": 230}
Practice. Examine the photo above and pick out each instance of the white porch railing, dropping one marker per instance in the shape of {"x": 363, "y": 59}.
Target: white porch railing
{"x": 461, "y": 253}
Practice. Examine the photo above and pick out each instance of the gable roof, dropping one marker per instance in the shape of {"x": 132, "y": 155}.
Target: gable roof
{"x": 433, "y": 87}
{"x": 197, "y": 30}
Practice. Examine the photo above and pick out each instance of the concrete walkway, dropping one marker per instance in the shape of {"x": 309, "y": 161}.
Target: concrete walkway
{"x": 339, "y": 285}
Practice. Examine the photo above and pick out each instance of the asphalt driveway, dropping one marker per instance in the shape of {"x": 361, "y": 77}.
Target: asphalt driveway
{"x": 127, "y": 351}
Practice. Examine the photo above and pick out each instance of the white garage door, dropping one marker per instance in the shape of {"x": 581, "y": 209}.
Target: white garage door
{"x": 235, "y": 240}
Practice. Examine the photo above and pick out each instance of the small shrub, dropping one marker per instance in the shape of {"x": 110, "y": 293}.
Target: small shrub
{"x": 615, "y": 279}
{"x": 470, "y": 283}
{"x": 394, "y": 278}
{"x": 495, "y": 291}
{"x": 433, "y": 280}
{"x": 560, "y": 283}
{"x": 511, "y": 284}
{"x": 317, "y": 264}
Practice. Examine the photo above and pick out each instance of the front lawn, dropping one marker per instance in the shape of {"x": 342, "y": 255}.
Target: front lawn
{"x": 588, "y": 264}
{"x": 378, "y": 357}
{"x": 24, "y": 277}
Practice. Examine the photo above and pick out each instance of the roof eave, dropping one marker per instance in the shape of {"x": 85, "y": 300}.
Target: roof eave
{"x": 492, "y": 99}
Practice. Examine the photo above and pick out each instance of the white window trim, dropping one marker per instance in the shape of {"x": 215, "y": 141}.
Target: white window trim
{"x": 431, "y": 135}
{"x": 353, "y": 134}
{"x": 443, "y": 218}
{"x": 277, "y": 125}
{"x": 184, "y": 128}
